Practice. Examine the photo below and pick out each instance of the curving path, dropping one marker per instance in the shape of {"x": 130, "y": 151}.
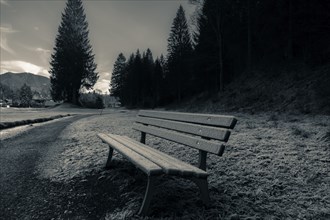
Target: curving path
{"x": 23, "y": 195}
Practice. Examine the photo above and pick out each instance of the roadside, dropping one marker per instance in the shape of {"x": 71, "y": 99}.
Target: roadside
{"x": 23, "y": 194}
{"x": 6, "y": 125}
{"x": 15, "y": 131}
{"x": 274, "y": 166}
{"x": 14, "y": 117}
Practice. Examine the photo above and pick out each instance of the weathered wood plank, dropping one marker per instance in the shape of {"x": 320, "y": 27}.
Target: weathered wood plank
{"x": 147, "y": 166}
{"x": 184, "y": 168}
{"x": 194, "y": 142}
{"x": 204, "y": 119}
{"x": 167, "y": 166}
{"x": 200, "y": 130}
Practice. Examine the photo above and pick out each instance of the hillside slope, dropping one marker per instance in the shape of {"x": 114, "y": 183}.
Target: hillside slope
{"x": 299, "y": 91}
{"x": 15, "y": 81}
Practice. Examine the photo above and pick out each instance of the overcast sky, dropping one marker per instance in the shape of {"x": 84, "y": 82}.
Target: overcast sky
{"x": 29, "y": 28}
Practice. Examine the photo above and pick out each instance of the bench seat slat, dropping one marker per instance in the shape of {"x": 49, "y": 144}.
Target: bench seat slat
{"x": 198, "y": 143}
{"x": 167, "y": 167}
{"x": 200, "y": 130}
{"x": 204, "y": 119}
{"x": 170, "y": 164}
{"x": 147, "y": 166}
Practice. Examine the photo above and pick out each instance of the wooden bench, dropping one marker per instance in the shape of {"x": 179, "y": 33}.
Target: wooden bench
{"x": 204, "y": 132}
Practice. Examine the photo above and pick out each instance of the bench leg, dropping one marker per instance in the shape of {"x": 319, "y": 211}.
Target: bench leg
{"x": 204, "y": 190}
{"x": 109, "y": 157}
{"x": 147, "y": 197}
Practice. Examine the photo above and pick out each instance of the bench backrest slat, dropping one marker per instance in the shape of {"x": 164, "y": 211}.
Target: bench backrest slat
{"x": 203, "y": 119}
{"x": 204, "y": 132}
{"x": 195, "y": 129}
{"x": 198, "y": 143}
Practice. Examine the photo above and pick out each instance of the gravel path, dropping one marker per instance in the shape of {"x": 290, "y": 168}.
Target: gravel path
{"x": 23, "y": 195}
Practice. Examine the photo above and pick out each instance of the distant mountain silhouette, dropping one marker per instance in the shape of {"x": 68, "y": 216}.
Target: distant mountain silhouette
{"x": 37, "y": 83}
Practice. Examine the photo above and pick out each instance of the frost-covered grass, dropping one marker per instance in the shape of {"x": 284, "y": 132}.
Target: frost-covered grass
{"x": 274, "y": 167}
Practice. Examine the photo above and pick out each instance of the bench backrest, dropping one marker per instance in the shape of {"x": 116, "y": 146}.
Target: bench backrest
{"x": 204, "y": 132}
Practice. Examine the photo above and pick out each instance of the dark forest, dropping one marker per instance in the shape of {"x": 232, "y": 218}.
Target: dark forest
{"x": 231, "y": 42}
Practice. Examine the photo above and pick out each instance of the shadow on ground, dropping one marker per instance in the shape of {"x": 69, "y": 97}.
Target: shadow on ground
{"x": 115, "y": 193}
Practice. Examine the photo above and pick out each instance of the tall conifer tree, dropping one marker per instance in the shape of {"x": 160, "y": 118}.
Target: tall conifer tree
{"x": 25, "y": 95}
{"x": 129, "y": 82}
{"x": 72, "y": 62}
{"x": 179, "y": 54}
{"x": 136, "y": 73}
{"x": 146, "y": 78}
{"x": 118, "y": 76}
{"x": 157, "y": 82}
{"x": 209, "y": 48}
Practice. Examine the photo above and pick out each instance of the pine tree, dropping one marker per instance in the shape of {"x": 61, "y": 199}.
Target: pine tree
{"x": 6, "y": 92}
{"x": 127, "y": 93}
{"x": 209, "y": 48}
{"x": 157, "y": 83}
{"x": 165, "y": 94}
{"x": 118, "y": 76}
{"x": 25, "y": 95}
{"x": 179, "y": 54}
{"x": 72, "y": 62}
{"x": 163, "y": 63}
{"x": 146, "y": 77}
{"x": 136, "y": 72}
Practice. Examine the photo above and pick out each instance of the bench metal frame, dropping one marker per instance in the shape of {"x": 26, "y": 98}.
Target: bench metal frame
{"x": 201, "y": 183}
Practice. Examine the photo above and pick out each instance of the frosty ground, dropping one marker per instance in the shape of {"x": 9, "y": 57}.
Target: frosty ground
{"x": 275, "y": 166}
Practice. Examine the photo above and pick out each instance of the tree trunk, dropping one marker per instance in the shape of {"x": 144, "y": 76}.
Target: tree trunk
{"x": 219, "y": 30}
{"x": 179, "y": 91}
{"x": 249, "y": 37}
{"x": 290, "y": 32}
{"x": 75, "y": 96}
{"x": 221, "y": 88}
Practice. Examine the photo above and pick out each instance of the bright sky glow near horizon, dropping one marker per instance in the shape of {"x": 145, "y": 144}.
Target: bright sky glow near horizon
{"x": 29, "y": 27}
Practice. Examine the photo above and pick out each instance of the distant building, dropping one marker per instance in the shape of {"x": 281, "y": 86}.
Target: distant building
{"x": 6, "y": 102}
{"x": 112, "y": 102}
{"x": 50, "y": 103}
{"x": 38, "y": 100}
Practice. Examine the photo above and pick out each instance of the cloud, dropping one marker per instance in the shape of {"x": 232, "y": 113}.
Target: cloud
{"x": 44, "y": 55}
{"x": 4, "y": 2}
{"x": 36, "y": 28}
{"x": 39, "y": 49}
{"x": 5, "y": 31}
{"x": 19, "y": 66}
{"x": 102, "y": 85}
{"x": 104, "y": 75}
